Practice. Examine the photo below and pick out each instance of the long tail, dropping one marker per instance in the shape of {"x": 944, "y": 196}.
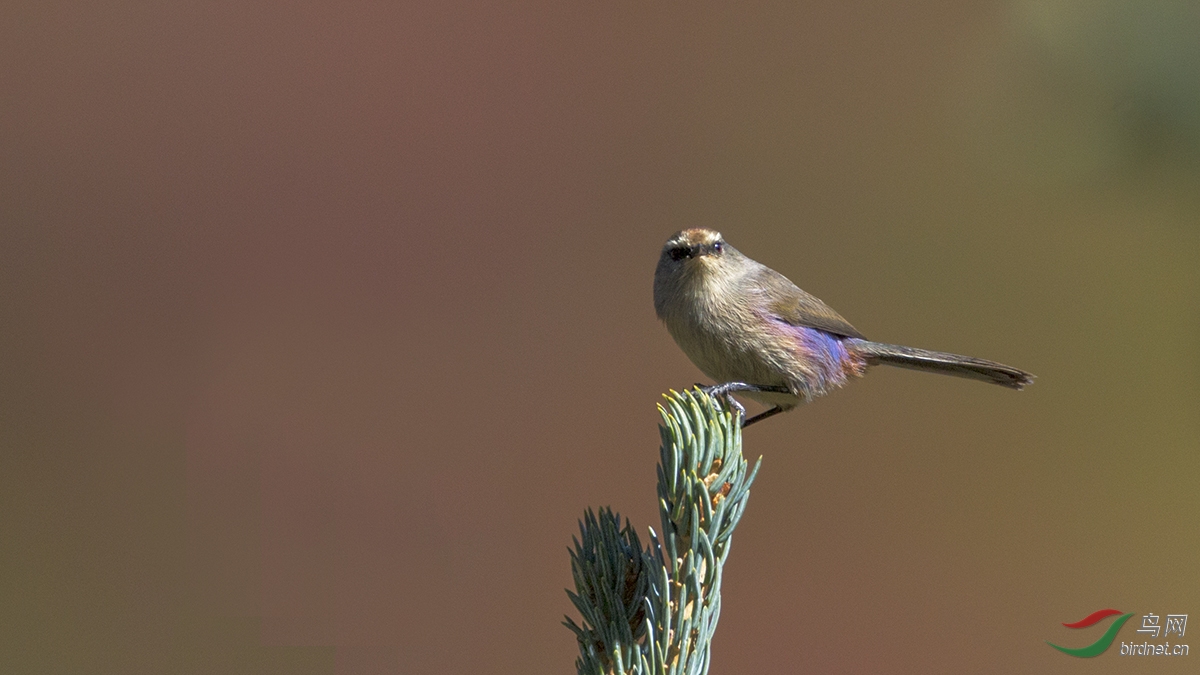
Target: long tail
{"x": 940, "y": 362}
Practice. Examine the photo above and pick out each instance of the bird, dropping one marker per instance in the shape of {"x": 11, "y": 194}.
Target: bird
{"x": 757, "y": 334}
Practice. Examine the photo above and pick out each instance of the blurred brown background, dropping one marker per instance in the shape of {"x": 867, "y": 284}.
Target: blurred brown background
{"x": 323, "y": 322}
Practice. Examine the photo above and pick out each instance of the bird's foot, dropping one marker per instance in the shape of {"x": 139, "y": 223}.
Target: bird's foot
{"x": 725, "y": 391}
{"x": 721, "y": 392}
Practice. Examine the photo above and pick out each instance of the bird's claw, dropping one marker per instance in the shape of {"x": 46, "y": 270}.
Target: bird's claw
{"x": 725, "y": 391}
{"x": 722, "y": 392}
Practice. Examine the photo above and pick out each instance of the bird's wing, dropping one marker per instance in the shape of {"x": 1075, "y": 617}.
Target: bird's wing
{"x": 797, "y": 308}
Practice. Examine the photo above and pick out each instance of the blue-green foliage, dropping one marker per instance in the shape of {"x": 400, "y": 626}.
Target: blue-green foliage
{"x": 654, "y": 610}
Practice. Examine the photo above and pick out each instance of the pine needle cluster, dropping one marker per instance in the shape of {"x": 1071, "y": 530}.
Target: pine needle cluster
{"x": 653, "y": 610}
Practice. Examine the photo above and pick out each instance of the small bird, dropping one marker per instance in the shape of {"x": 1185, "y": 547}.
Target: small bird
{"x": 753, "y": 331}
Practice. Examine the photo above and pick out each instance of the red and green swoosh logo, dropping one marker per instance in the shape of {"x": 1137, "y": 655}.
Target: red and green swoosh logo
{"x": 1096, "y": 648}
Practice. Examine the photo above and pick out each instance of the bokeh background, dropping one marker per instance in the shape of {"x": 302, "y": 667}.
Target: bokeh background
{"x": 322, "y": 323}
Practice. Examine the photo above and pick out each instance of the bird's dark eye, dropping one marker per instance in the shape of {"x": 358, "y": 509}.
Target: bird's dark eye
{"x": 718, "y": 247}
{"x": 679, "y": 253}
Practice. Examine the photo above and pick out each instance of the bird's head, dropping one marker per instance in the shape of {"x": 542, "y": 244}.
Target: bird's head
{"x": 696, "y": 249}
{"x": 695, "y": 262}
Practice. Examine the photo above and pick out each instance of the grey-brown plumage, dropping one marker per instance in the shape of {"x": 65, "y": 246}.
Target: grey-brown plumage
{"x": 742, "y": 322}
